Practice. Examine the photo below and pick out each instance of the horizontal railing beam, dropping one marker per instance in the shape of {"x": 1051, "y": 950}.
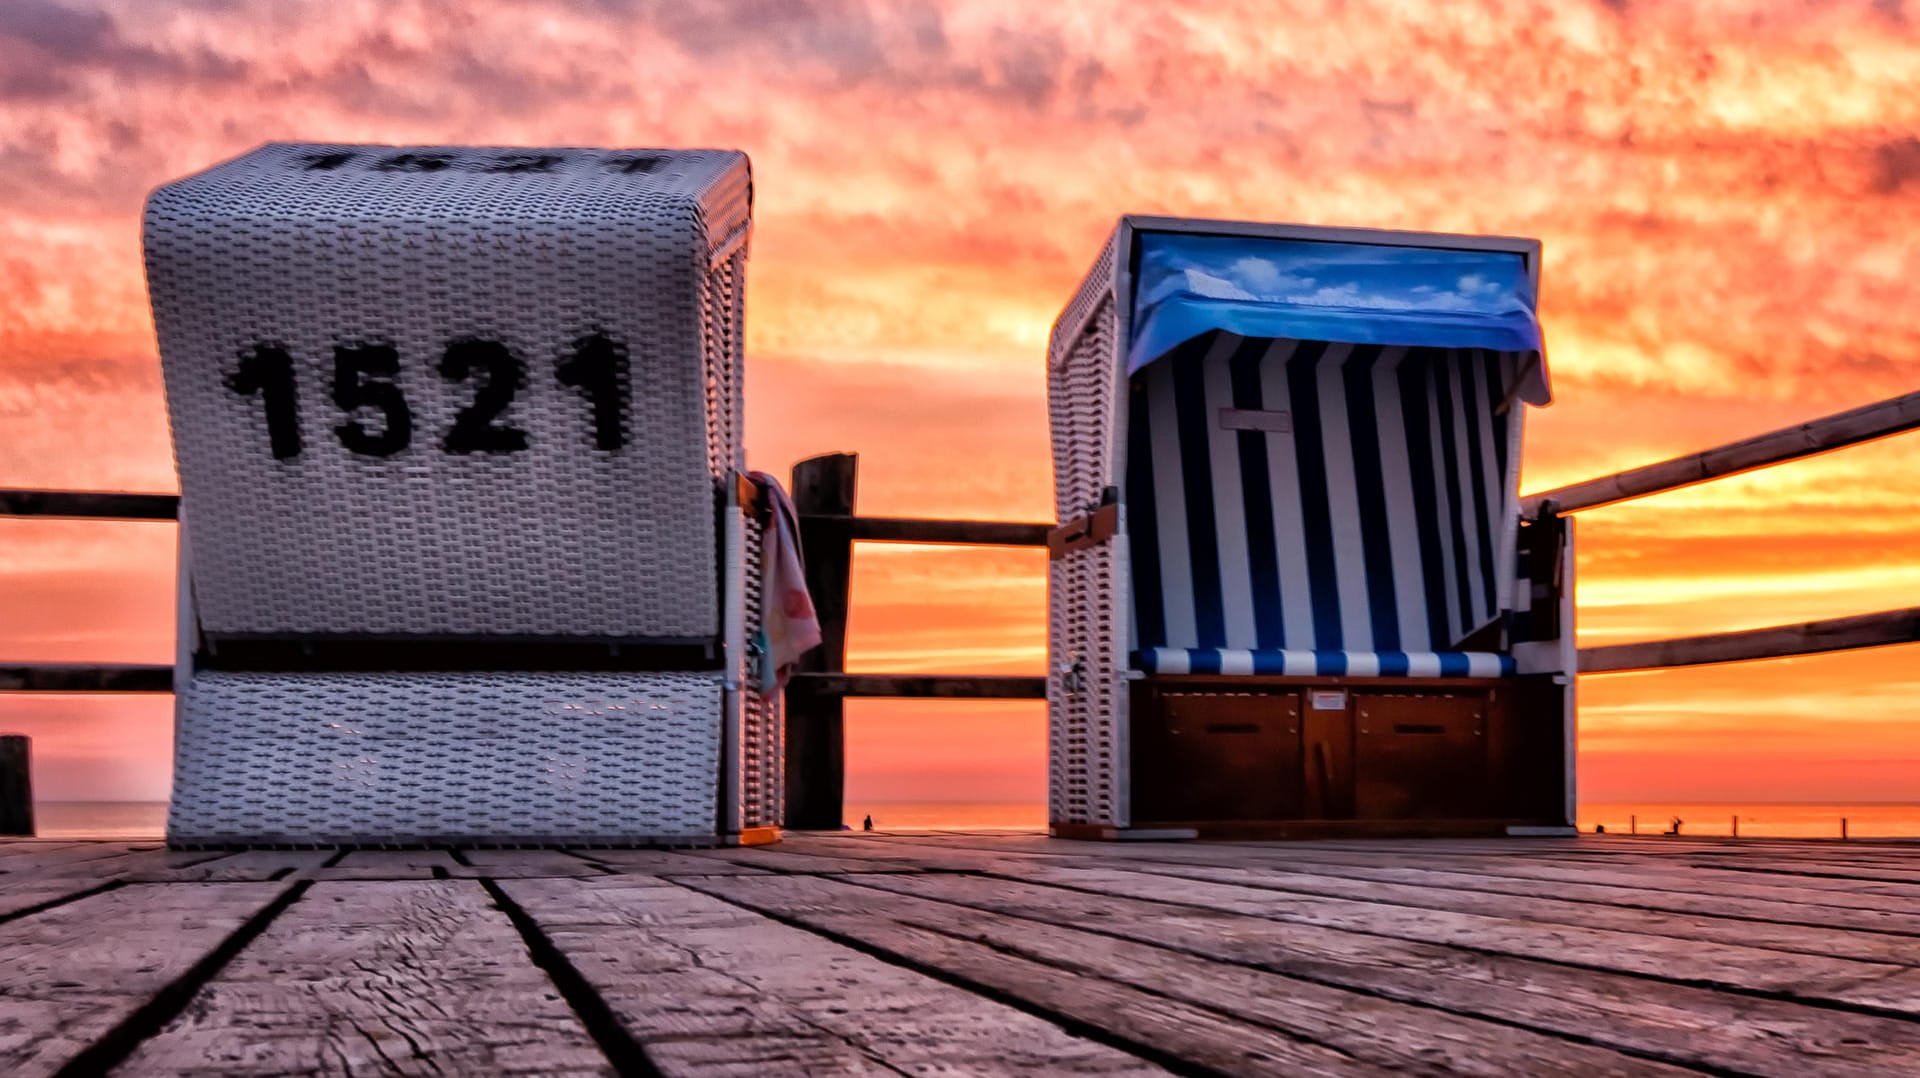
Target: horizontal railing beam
{"x": 956, "y": 532}
{"x": 86, "y": 677}
{"x": 1776, "y": 642}
{"x": 89, "y": 505}
{"x": 948, "y": 686}
{"x": 1778, "y": 447}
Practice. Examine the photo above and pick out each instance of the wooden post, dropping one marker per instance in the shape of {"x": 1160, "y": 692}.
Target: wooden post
{"x": 16, "y": 786}
{"x": 1736, "y": 825}
{"x": 823, "y": 489}
{"x": 1633, "y": 825}
{"x": 1843, "y": 828}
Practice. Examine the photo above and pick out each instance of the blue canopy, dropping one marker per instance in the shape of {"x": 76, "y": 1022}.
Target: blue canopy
{"x": 1360, "y": 293}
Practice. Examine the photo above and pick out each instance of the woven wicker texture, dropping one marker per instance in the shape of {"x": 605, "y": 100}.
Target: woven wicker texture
{"x": 338, "y": 326}
{"x": 413, "y": 758}
{"x": 1087, "y": 590}
{"x": 761, "y": 758}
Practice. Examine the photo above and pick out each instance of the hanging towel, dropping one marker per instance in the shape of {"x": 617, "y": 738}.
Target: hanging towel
{"x": 788, "y": 624}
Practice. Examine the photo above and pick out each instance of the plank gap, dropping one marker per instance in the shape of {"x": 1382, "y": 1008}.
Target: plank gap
{"x": 627, "y": 1055}
{"x": 164, "y": 1006}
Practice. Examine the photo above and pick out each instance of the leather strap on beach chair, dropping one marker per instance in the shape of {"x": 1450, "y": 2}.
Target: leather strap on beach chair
{"x": 1089, "y": 529}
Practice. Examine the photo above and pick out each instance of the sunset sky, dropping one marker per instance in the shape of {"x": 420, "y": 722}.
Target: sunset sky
{"x": 1727, "y": 193}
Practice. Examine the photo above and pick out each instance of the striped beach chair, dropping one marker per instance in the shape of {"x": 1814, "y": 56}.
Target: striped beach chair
{"x": 465, "y": 552}
{"x": 1291, "y": 590}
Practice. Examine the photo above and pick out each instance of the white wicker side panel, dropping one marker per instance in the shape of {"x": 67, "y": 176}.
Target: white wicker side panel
{"x": 1087, "y": 689}
{"x": 722, "y": 328}
{"x": 762, "y": 756}
{"x": 423, "y": 758}
{"x": 1087, "y": 601}
{"x": 1095, "y": 289}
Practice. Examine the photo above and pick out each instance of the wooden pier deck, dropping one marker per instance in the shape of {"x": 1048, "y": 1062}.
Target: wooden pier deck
{"x": 968, "y": 954}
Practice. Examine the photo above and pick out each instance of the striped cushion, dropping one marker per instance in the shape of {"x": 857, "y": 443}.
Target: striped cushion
{"x": 1324, "y": 663}
{"x": 1312, "y": 497}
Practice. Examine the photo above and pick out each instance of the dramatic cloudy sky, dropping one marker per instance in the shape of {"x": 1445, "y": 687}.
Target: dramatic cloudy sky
{"x": 1727, "y": 193}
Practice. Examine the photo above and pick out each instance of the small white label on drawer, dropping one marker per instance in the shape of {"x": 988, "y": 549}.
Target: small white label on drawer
{"x": 1329, "y": 699}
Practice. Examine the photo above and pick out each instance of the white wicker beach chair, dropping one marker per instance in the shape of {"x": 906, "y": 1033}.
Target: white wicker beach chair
{"x": 463, "y": 550}
{"x": 1291, "y": 591}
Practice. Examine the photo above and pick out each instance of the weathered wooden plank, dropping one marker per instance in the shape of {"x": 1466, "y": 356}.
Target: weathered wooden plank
{"x": 96, "y": 862}
{"x": 1822, "y": 435}
{"x": 523, "y": 864}
{"x": 871, "y": 851}
{"x": 1642, "y": 907}
{"x": 1803, "y": 934}
{"x": 1225, "y": 1017}
{"x": 1680, "y": 870}
{"x": 86, "y": 677}
{"x": 392, "y": 865}
{"x": 88, "y": 505}
{"x": 1695, "y": 891}
{"x": 779, "y": 860}
{"x": 823, "y": 494}
{"x": 15, "y": 847}
{"x": 944, "y": 686}
{"x": 26, "y": 898}
{"x": 1810, "y": 977}
{"x": 39, "y": 856}
{"x": 1680, "y": 1024}
{"x": 75, "y": 875}
{"x": 710, "y": 989}
{"x": 1661, "y": 877}
{"x": 1778, "y": 641}
{"x": 948, "y": 532}
{"x": 75, "y": 972}
{"x": 661, "y": 863}
{"x": 240, "y": 866}
{"x": 1838, "y": 930}
{"x": 1870, "y": 877}
{"x": 409, "y": 977}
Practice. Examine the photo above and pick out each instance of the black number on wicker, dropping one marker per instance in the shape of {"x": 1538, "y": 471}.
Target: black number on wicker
{"x": 522, "y": 162}
{"x": 498, "y": 374}
{"x": 267, "y": 370}
{"x": 363, "y": 378}
{"x": 598, "y": 369}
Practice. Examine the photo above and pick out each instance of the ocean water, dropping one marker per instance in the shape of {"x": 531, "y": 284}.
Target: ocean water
{"x": 1775, "y": 820}
{"x": 100, "y": 819}
{"x": 949, "y": 815}
{"x": 148, "y": 819}
{"x": 1757, "y": 819}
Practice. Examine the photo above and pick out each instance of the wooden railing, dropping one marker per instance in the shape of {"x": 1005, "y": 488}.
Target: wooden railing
{"x": 823, "y": 493}
{"x": 823, "y": 498}
{"x": 1838, "y": 431}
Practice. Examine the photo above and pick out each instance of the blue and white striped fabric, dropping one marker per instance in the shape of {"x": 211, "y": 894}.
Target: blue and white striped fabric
{"x": 1482, "y": 664}
{"x": 1318, "y": 508}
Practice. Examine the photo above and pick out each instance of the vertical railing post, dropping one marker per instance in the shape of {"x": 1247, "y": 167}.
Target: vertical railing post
{"x": 16, "y": 786}
{"x": 823, "y": 489}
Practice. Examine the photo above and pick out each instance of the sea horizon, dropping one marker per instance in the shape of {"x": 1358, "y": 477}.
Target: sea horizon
{"x": 134, "y": 819}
